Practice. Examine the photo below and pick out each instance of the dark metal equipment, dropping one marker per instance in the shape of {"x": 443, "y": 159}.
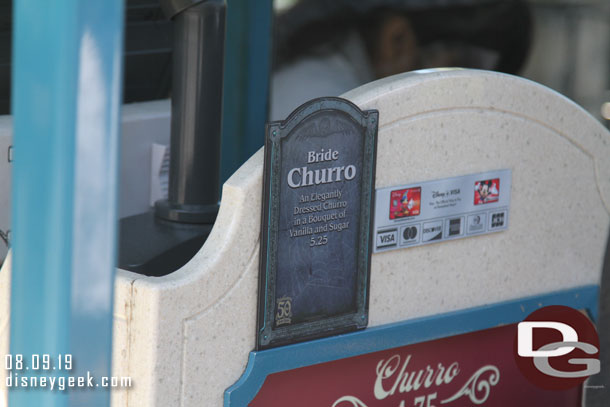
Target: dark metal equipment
{"x": 194, "y": 183}
{"x": 158, "y": 242}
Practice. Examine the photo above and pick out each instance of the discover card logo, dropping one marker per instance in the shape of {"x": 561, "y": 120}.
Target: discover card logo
{"x": 432, "y": 231}
{"x": 557, "y": 347}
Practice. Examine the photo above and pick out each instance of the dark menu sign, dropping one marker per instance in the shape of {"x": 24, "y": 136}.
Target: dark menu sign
{"x": 316, "y": 227}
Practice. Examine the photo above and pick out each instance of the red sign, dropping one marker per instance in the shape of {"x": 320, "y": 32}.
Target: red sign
{"x": 475, "y": 369}
{"x": 487, "y": 191}
{"x": 405, "y": 202}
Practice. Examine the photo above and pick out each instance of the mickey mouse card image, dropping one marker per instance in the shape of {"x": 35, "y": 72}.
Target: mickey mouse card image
{"x": 486, "y": 191}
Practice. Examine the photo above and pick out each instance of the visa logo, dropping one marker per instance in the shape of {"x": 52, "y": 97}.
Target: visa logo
{"x": 387, "y": 238}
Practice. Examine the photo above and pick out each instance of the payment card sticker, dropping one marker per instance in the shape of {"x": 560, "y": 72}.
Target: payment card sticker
{"x": 486, "y": 191}
{"x": 405, "y": 203}
{"x": 442, "y": 210}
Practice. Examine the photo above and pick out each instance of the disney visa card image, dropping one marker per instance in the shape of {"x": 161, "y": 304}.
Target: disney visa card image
{"x": 405, "y": 203}
{"x": 486, "y": 191}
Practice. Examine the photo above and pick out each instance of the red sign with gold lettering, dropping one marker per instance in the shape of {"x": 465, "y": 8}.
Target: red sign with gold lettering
{"x": 475, "y": 369}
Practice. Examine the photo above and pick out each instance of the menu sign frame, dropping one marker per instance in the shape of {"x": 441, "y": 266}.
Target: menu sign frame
{"x": 316, "y": 228}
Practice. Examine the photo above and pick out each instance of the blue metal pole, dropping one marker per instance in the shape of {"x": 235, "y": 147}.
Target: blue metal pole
{"x": 67, "y": 63}
{"x": 246, "y": 81}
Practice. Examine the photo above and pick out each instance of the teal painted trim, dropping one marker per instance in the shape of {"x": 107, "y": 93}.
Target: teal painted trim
{"x": 246, "y": 81}
{"x": 67, "y": 75}
{"x": 263, "y": 363}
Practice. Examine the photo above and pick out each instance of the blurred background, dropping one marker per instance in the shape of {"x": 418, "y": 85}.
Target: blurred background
{"x": 564, "y": 44}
